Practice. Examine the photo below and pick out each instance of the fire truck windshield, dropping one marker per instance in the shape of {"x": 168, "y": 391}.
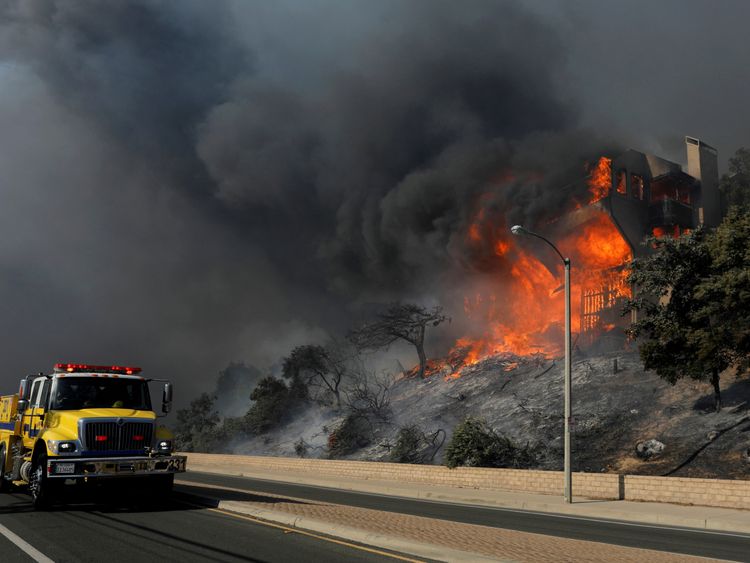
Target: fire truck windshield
{"x": 76, "y": 393}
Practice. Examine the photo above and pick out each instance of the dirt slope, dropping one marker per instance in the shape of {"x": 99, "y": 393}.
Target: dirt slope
{"x": 613, "y": 411}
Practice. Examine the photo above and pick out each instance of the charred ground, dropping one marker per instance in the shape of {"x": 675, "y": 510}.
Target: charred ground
{"x": 521, "y": 398}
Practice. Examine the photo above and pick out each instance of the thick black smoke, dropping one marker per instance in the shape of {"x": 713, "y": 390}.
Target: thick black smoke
{"x": 380, "y": 158}
{"x": 187, "y": 183}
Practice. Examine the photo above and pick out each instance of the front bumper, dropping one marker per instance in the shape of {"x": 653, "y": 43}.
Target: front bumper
{"x": 71, "y": 468}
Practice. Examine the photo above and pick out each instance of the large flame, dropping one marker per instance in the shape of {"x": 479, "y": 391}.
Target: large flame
{"x": 526, "y": 314}
{"x": 600, "y": 180}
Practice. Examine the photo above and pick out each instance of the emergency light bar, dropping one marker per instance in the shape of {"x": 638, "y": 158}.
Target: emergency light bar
{"x": 77, "y": 368}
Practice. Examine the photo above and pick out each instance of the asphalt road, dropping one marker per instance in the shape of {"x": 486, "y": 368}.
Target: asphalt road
{"x": 722, "y": 545}
{"x": 119, "y": 530}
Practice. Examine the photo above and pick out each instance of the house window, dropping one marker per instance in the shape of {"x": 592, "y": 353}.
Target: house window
{"x": 683, "y": 195}
{"x": 636, "y": 185}
{"x": 622, "y": 182}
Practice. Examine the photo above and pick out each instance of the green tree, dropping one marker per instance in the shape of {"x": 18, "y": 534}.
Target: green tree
{"x": 298, "y": 363}
{"x": 735, "y": 186}
{"x": 400, "y": 321}
{"x": 725, "y": 292}
{"x": 195, "y": 422}
{"x": 270, "y": 403}
{"x": 679, "y": 332}
{"x": 318, "y": 366}
{"x": 231, "y": 429}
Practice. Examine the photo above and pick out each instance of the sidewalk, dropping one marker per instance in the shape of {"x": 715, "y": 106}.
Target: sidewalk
{"x": 424, "y": 538}
{"x": 701, "y": 517}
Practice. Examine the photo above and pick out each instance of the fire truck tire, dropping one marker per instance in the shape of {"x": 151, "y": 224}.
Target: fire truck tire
{"x": 40, "y": 487}
{"x": 4, "y": 484}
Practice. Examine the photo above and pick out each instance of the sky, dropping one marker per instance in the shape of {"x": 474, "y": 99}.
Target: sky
{"x": 189, "y": 184}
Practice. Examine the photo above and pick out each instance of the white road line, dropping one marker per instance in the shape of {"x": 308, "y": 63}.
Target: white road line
{"x": 25, "y": 546}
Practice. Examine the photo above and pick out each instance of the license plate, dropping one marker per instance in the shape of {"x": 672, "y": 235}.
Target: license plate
{"x": 65, "y": 468}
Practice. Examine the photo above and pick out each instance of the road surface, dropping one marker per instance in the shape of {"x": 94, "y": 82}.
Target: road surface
{"x": 123, "y": 532}
{"x": 722, "y": 545}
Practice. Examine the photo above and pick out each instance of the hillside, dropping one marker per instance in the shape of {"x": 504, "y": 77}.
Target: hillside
{"x": 522, "y": 399}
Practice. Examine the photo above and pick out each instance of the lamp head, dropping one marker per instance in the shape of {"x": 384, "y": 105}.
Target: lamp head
{"x": 517, "y": 230}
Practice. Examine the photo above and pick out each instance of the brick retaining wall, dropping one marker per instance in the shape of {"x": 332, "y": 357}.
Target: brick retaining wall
{"x": 593, "y": 485}
{"x": 708, "y": 492}
{"x": 725, "y": 493}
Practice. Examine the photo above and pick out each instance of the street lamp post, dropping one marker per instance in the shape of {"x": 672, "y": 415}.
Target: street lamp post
{"x": 568, "y": 492}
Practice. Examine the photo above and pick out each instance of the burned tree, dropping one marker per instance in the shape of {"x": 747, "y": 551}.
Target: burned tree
{"x": 369, "y": 395}
{"x": 400, "y": 321}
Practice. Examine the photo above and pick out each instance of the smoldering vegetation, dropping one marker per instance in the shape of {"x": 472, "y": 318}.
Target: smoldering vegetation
{"x": 625, "y": 420}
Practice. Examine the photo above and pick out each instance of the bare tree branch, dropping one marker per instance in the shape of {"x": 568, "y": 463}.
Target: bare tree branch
{"x": 369, "y": 395}
{"x": 400, "y": 321}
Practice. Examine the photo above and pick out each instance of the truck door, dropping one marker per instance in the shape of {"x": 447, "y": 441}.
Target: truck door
{"x": 27, "y": 419}
{"x": 34, "y": 414}
{"x": 39, "y": 406}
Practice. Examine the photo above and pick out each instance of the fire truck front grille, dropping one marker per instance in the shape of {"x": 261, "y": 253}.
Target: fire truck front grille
{"x": 111, "y": 436}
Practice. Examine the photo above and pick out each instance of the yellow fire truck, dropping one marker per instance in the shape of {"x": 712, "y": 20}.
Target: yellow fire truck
{"x": 81, "y": 424}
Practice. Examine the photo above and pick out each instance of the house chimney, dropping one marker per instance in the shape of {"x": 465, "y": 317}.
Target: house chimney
{"x": 703, "y": 165}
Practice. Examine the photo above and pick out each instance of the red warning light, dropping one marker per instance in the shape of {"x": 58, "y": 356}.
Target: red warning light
{"x": 100, "y": 438}
{"x": 79, "y": 368}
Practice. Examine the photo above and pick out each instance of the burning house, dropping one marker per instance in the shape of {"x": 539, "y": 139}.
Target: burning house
{"x": 636, "y": 195}
{"x": 632, "y": 196}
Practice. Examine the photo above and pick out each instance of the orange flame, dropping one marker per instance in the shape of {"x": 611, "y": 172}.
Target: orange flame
{"x": 530, "y": 319}
{"x": 502, "y": 247}
{"x": 599, "y": 246}
{"x": 474, "y": 233}
{"x": 601, "y": 179}
{"x": 674, "y": 232}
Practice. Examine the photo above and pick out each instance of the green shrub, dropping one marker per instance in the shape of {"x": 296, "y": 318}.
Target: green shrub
{"x": 475, "y": 444}
{"x": 301, "y": 448}
{"x": 232, "y": 428}
{"x": 410, "y": 444}
{"x": 353, "y": 433}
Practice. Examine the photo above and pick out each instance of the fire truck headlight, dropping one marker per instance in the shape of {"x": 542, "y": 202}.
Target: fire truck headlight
{"x": 164, "y": 446}
{"x": 60, "y": 447}
{"x": 66, "y": 447}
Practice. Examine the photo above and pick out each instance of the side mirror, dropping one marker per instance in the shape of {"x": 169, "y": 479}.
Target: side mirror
{"x": 166, "y": 400}
{"x": 23, "y": 404}
{"x": 23, "y": 388}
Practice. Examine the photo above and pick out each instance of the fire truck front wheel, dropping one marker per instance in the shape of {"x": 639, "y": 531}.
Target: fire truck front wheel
{"x": 40, "y": 487}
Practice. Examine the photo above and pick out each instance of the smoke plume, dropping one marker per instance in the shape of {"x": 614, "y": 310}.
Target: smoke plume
{"x": 187, "y": 184}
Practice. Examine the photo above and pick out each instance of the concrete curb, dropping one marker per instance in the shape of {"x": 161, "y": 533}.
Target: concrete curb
{"x": 643, "y": 517}
{"x": 392, "y": 543}
{"x": 735, "y": 523}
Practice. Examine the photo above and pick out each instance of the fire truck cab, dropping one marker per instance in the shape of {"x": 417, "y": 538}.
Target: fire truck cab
{"x": 81, "y": 424}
